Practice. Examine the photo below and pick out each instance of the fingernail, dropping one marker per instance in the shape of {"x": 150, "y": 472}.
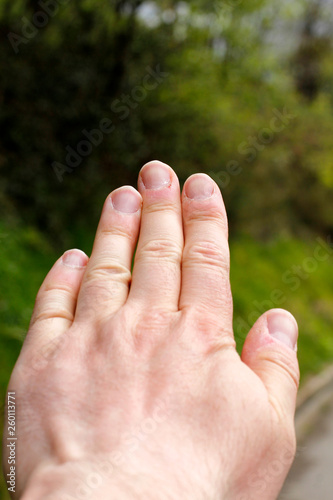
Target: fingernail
{"x": 156, "y": 176}
{"x": 199, "y": 187}
{"x": 284, "y": 328}
{"x": 126, "y": 200}
{"x": 75, "y": 258}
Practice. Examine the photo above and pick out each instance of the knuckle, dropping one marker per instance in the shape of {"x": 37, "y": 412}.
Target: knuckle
{"x": 99, "y": 296}
{"x": 167, "y": 207}
{"x": 116, "y": 231}
{"x": 286, "y": 362}
{"x": 100, "y": 293}
{"x": 50, "y": 313}
{"x": 102, "y": 271}
{"x": 50, "y": 291}
{"x": 211, "y": 333}
{"x": 52, "y": 304}
{"x": 150, "y": 329}
{"x": 165, "y": 249}
{"x": 208, "y": 253}
{"x": 213, "y": 216}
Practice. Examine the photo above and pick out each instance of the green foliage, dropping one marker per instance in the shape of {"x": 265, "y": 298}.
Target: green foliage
{"x": 286, "y": 273}
{"x": 224, "y": 83}
{"x": 26, "y": 257}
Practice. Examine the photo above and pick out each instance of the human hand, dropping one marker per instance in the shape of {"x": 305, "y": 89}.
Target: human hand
{"x": 129, "y": 385}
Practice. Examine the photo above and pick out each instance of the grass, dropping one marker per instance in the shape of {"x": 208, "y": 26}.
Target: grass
{"x": 262, "y": 276}
{"x": 287, "y": 273}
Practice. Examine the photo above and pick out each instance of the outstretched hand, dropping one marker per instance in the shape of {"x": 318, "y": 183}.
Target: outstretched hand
{"x": 128, "y": 384}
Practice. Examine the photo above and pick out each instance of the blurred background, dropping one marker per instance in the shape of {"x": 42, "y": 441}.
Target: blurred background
{"x": 92, "y": 89}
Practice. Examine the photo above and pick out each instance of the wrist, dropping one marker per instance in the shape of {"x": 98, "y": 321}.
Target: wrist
{"x": 87, "y": 481}
{"x": 77, "y": 481}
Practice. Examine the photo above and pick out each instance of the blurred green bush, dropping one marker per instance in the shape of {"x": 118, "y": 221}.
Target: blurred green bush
{"x": 225, "y": 80}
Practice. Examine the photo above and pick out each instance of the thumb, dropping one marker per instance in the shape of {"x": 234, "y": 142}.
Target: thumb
{"x": 270, "y": 351}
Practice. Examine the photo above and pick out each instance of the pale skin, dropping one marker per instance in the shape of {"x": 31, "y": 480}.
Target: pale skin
{"x": 129, "y": 385}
